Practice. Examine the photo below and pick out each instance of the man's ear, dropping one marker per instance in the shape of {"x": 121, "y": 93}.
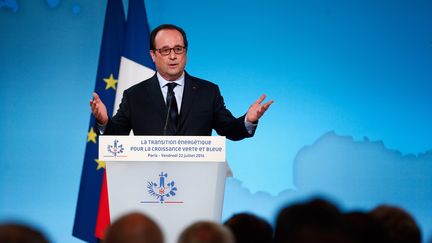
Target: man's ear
{"x": 152, "y": 54}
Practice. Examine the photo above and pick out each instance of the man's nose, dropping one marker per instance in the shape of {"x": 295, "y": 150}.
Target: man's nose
{"x": 172, "y": 55}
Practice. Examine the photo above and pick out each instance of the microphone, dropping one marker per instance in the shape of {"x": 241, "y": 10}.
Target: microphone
{"x": 168, "y": 113}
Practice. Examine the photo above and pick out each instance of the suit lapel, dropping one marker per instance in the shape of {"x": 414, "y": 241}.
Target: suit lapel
{"x": 156, "y": 96}
{"x": 189, "y": 94}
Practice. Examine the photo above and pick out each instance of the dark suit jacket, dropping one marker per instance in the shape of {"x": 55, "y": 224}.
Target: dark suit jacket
{"x": 143, "y": 110}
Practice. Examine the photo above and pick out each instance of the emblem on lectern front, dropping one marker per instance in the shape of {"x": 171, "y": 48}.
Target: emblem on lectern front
{"x": 116, "y": 148}
{"x": 163, "y": 189}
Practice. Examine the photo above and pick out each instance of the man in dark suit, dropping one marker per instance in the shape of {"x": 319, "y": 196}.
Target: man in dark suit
{"x": 173, "y": 102}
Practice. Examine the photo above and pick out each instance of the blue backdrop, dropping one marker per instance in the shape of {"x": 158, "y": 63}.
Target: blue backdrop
{"x": 351, "y": 81}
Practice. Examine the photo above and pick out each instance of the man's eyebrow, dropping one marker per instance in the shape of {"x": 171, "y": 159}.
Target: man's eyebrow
{"x": 167, "y": 46}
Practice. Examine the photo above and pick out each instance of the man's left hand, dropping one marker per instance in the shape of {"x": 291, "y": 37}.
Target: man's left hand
{"x": 257, "y": 110}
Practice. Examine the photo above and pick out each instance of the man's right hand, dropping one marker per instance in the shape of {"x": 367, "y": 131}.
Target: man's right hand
{"x": 99, "y": 110}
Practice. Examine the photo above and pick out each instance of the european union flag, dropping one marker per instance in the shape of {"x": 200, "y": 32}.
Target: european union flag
{"x": 93, "y": 171}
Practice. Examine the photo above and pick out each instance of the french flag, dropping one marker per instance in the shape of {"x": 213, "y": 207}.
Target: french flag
{"x": 136, "y": 65}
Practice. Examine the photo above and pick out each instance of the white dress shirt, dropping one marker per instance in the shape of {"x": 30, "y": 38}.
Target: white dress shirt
{"x": 178, "y": 89}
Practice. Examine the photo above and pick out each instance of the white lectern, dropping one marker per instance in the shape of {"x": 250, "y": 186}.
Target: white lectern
{"x": 176, "y": 180}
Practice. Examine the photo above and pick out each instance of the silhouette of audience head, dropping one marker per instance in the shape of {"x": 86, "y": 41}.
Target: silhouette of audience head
{"x": 18, "y": 233}
{"x": 362, "y": 228}
{"x": 134, "y": 228}
{"x": 206, "y": 232}
{"x": 399, "y": 224}
{"x": 248, "y": 228}
{"x": 316, "y": 220}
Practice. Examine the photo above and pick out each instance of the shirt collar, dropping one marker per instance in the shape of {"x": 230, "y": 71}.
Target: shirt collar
{"x": 163, "y": 82}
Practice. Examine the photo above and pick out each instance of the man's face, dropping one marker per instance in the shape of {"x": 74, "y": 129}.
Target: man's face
{"x": 171, "y": 66}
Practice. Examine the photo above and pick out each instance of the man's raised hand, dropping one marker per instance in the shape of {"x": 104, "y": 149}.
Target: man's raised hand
{"x": 99, "y": 110}
{"x": 257, "y": 110}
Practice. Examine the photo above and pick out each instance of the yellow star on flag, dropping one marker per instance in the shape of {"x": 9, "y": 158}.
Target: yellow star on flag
{"x": 101, "y": 164}
{"x": 111, "y": 82}
{"x": 91, "y": 136}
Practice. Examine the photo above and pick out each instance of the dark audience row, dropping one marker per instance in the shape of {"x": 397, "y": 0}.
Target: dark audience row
{"x": 314, "y": 221}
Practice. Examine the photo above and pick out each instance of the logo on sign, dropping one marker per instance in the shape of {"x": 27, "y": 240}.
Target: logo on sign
{"x": 116, "y": 149}
{"x": 162, "y": 190}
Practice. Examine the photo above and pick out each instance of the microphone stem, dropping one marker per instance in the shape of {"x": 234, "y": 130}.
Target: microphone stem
{"x": 168, "y": 113}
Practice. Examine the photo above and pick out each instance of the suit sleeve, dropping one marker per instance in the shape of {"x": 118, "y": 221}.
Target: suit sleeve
{"x": 120, "y": 123}
{"x": 225, "y": 123}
